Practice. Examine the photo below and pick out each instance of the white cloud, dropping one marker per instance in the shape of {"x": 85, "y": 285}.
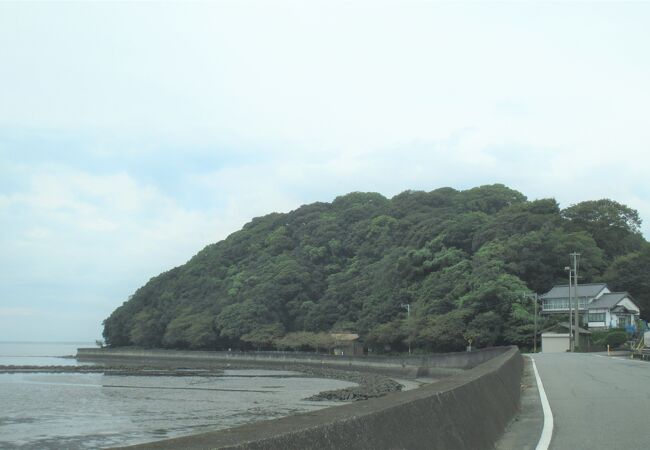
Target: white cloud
{"x": 78, "y": 232}
{"x": 17, "y": 312}
{"x": 189, "y": 120}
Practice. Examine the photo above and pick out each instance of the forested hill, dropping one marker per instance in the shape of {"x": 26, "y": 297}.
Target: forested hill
{"x": 461, "y": 259}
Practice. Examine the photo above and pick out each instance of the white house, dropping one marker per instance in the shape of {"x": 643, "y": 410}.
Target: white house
{"x": 598, "y": 306}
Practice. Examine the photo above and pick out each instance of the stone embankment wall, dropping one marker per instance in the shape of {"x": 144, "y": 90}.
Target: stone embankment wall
{"x": 468, "y": 411}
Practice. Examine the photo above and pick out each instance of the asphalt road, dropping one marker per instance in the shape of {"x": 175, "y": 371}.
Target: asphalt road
{"x": 598, "y": 402}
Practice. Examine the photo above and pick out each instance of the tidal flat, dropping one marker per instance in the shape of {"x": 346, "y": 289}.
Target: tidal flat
{"x": 89, "y": 407}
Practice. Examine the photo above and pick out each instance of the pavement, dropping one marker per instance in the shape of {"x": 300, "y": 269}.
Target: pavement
{"x": 597, "y": 402}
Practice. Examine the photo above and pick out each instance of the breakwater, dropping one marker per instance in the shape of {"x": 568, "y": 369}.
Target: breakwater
{"x": 468, "y": 410}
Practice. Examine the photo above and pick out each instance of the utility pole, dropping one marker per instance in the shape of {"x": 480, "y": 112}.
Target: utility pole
{"x": 568, "y": 268}
{"x": 575, "y": 257}
{"x": 408, "y": 317}
{"x": 535, "y": 299}
{"x": 535, "y": 339}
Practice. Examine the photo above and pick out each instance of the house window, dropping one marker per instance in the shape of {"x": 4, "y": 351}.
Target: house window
{"x": 623, "y": 321}
{"x": 556, "y": 303}
{"x": 596, "y": 317}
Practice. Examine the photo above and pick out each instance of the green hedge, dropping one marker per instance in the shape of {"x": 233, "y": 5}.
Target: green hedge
{"x": 616, "y": 338}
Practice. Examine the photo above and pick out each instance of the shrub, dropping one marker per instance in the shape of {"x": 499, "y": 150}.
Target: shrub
{"x": 598, "y": 337}
{"x": 616, "y": 338}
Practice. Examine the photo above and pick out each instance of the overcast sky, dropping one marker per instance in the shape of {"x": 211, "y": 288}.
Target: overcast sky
{"x": 133, "y": 134}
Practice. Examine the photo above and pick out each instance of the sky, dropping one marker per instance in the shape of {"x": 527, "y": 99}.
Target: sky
{"x": 134, "y": 134}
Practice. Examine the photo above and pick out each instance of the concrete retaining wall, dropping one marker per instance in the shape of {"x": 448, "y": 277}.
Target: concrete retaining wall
{"x": 468, "y": 411}
{"x": 409, "y": 366}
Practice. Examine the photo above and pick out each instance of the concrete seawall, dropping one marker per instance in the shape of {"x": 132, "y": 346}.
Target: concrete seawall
{"x": 407, "y": 366}
{"x": 468, "y": 411}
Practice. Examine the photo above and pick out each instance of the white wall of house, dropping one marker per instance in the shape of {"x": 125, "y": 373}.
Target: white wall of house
{"x": 603, "y": 292}
{"x": 629, "y": 305}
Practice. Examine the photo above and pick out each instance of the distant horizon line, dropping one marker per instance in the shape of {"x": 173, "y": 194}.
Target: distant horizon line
{"x": 49, "y": 342}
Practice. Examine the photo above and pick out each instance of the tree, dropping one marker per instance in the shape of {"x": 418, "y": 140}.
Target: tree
{"x": 520, "y": 218}
{"x": 631, "y": 273}
{"x": 461, "y": 259}
{"x": 489, "y": 199}
{"x": 242, "y": 318}
{"x": 539, "y": 257}
{"x": 302, "y": 340}
{"x": 445, "y": 332}
{"x": 117, "y": 328}
{"x": 148, "y": 328}
{"x": 485, "y": 329}
{"x": 439, "y": 291}
{"x": 519, "y": 327}
{"x": 420, "y": 203}
{"x": 615, "y": 227}
{"x": 191, "y": 330}
{"x": 263, "y": 336}
{"x": 323, "y": 341}
{"x": 459, "y": 231}
{"x": 387, "y": 336}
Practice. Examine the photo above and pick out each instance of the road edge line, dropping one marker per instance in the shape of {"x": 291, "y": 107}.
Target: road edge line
{"x": 547, "y": 429}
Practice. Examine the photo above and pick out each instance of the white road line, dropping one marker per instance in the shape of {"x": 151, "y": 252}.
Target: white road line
{"x": 547, "y": 430}
{"x": 622, "y": 358}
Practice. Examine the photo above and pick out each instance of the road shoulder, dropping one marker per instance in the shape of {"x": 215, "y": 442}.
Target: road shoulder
{"x": 525, "y": 429}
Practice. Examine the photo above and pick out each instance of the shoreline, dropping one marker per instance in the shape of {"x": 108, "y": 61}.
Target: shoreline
{"x": 140, "y": 383}
{"x": 371, "y": 381}
{"x": 435, "y": 415}
{"x": 483, "y": 378}
{"x": 368, "y": 385}
{"x": 110, "y": 370}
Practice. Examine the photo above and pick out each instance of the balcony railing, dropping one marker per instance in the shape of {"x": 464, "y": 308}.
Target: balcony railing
{"x": 560, "y": 305}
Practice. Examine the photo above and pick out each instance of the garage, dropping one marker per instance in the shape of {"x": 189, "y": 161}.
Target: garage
{"x": 553, "y": 342}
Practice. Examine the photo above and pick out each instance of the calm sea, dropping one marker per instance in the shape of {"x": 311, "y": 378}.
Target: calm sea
{"x": 83, "y": 411}
{"x": 40, "y": 353}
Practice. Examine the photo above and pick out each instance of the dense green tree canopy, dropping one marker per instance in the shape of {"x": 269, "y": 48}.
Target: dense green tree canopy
{"x": 462, "y": 260}
{"x": 631, "y": 272}
{"x": 614, "y": 227}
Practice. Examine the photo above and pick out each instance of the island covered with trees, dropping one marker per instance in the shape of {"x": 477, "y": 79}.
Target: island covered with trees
{"x": 462, "y": 260}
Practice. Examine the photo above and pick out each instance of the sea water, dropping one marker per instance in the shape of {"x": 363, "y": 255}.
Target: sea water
{"x": 40, "y": 353}
{"x": 93, "y": 410}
